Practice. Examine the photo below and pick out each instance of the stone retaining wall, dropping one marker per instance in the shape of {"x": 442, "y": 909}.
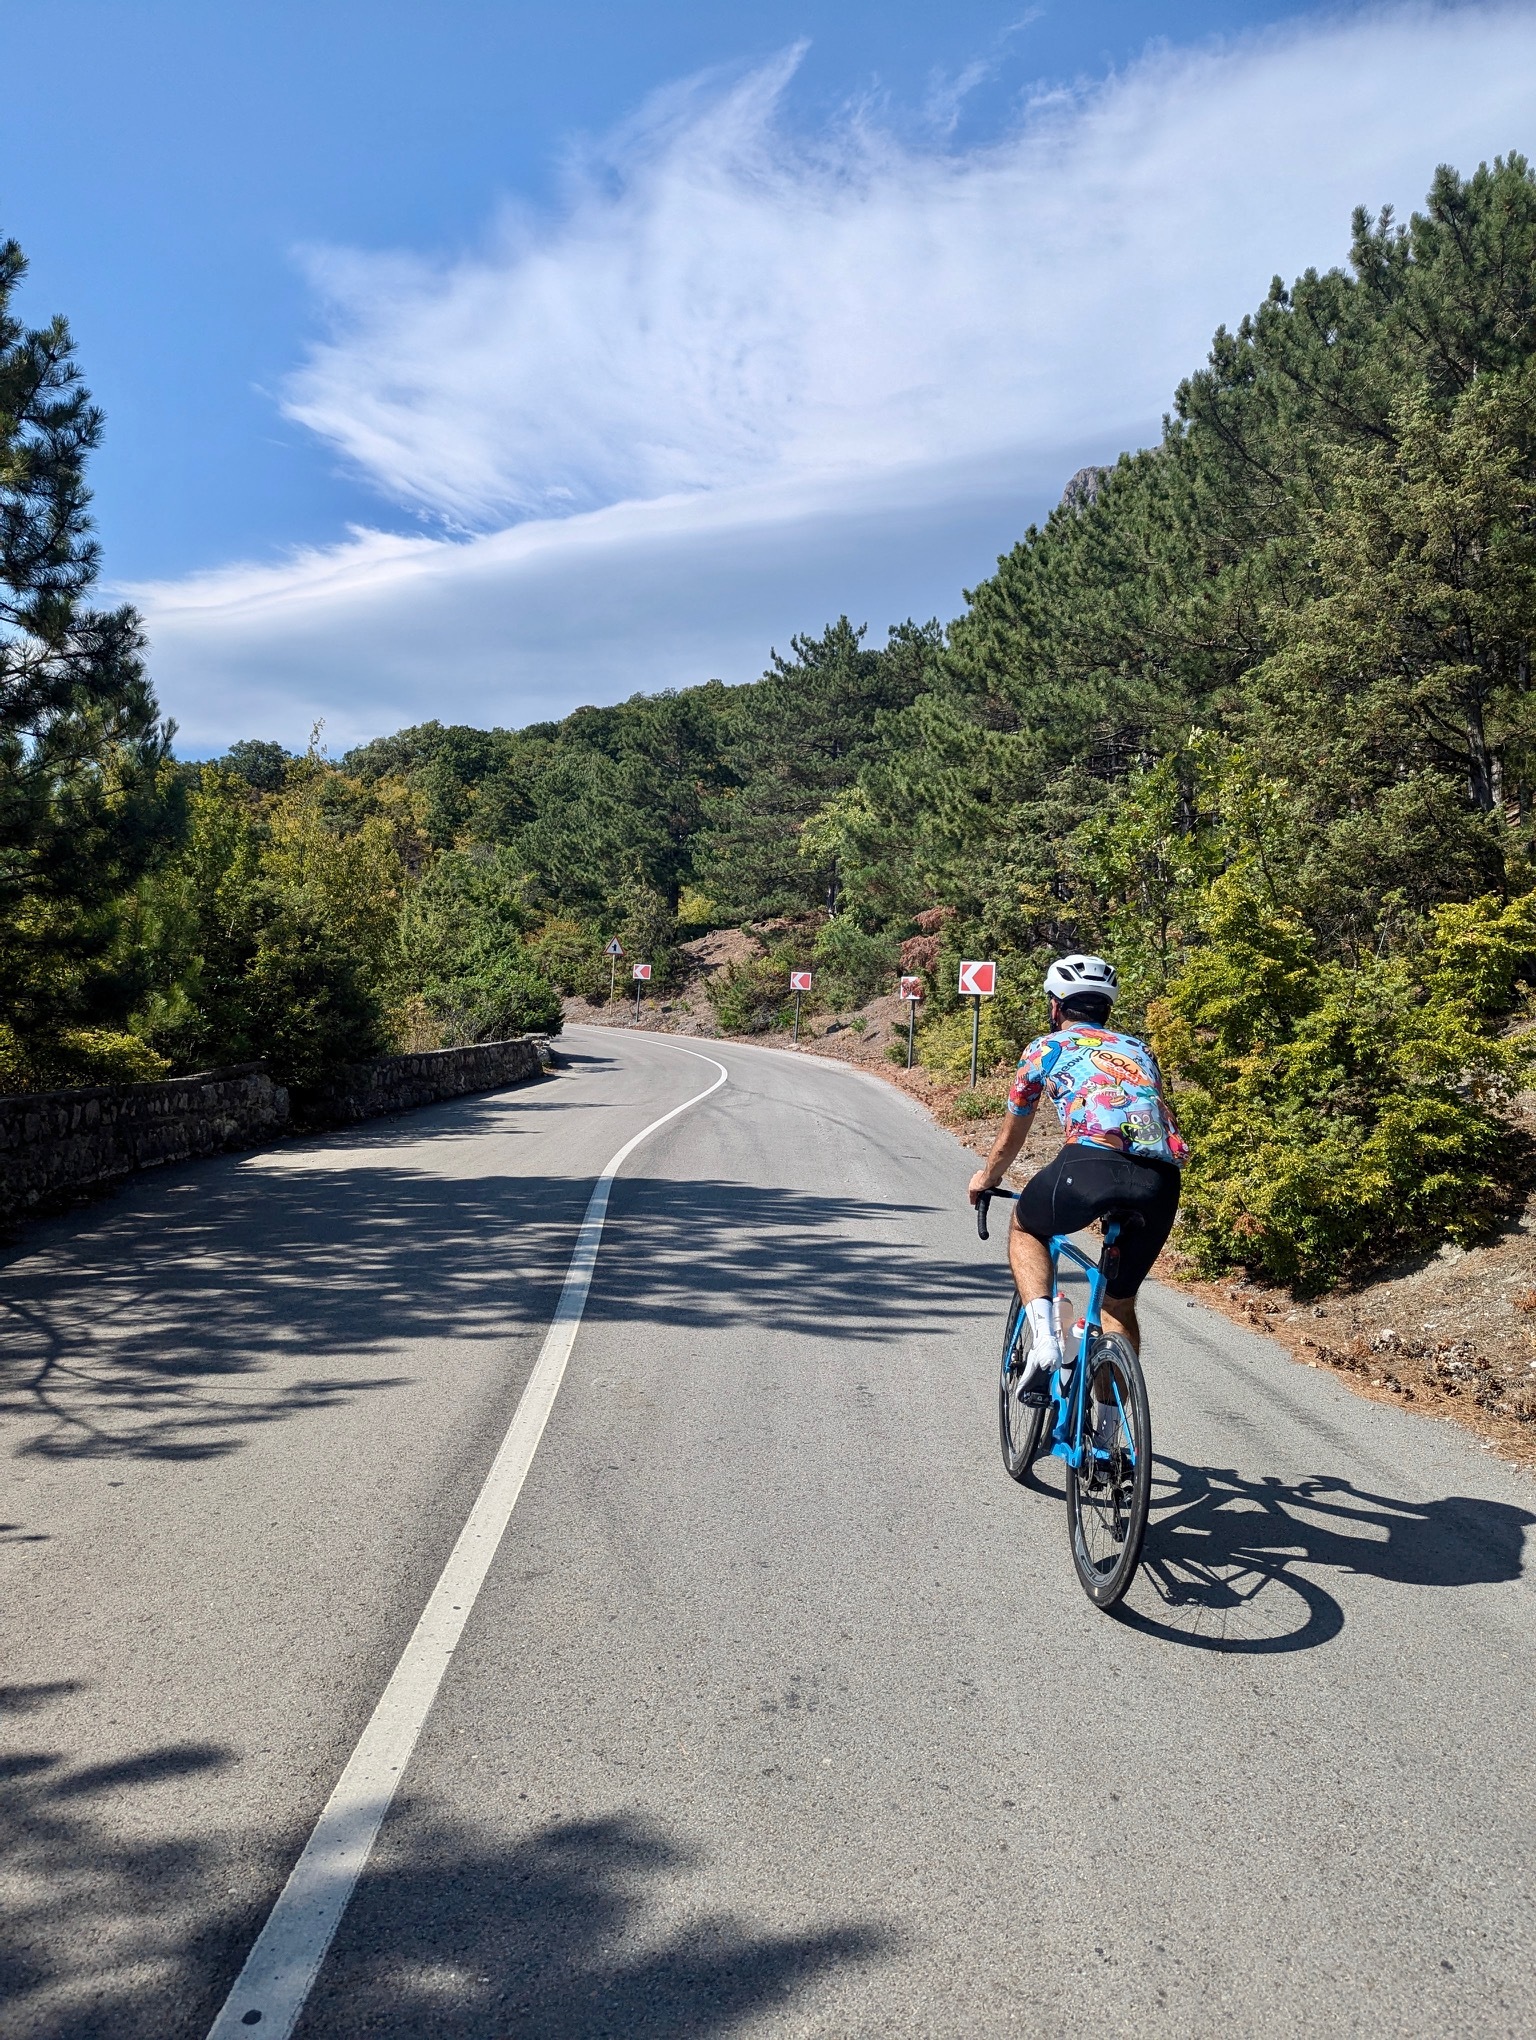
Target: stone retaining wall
{"x": 399, "y": 1083}
{"x": 57, "y": 1147}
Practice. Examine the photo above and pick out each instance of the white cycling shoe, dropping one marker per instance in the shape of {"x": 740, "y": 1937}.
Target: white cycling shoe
{"x": 1045, "y": 1354}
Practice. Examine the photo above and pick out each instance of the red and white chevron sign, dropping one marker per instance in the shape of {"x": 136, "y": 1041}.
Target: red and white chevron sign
{"x": 799, "y": 981}
{"x": 978, "y": 980}
{"x": 641, "y": 972}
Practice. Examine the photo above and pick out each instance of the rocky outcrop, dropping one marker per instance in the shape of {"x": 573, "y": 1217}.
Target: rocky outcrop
{"x": 1084, "y": 488}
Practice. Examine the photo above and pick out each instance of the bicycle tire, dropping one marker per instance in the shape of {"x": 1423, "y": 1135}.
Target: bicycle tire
{"x": 1107, "y": 1508}
{"x": 1018, "y": 1426}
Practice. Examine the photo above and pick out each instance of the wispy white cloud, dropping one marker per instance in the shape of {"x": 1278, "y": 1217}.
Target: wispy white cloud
{"x": 732, "y": 326}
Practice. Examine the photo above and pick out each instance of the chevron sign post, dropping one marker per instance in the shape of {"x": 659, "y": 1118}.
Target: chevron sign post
{"x": 911, "y": 992}
{"x": 641, "y": 975}
{"x": 978, "y": 981}
{"x": 799, "y": 982}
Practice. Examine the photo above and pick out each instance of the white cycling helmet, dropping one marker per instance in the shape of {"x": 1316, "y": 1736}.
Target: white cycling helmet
{"x": 1070, "y": 976}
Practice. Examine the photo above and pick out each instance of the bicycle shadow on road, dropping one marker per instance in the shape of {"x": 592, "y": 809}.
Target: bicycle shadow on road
{"x": 1249, "y": 1565}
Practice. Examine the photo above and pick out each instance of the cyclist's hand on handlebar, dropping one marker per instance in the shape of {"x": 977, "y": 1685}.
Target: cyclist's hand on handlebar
{"x": 981, "y": 1185}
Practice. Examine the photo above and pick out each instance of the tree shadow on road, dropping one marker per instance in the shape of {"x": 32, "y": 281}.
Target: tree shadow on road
{"x": 711, "y": 1255}
{"x": 105, "y": 1923}
{"x": 557, "y": 1934}
{"x": 245, "y": 1292}
{"x": 125, "y": 1916}
{"x": 1246, "y": 1565}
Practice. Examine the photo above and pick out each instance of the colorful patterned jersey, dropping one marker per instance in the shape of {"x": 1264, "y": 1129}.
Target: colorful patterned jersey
{"x": 1106, "y": 1088}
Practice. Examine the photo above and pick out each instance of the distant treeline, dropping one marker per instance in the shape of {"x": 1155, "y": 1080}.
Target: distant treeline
{"x": 1252, "y": 712}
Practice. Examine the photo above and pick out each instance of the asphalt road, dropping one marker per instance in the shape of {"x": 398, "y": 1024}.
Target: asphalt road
{"x": 780, "y": 1711}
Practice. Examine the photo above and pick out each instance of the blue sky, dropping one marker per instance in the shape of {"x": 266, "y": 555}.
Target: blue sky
{"x": 478, "y": 360}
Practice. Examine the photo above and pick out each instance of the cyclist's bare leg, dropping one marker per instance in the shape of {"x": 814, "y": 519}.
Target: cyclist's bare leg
{"x": 1031, "y": 1263}
{"x": 1119, "y": 1314}
{"x": 1030, "y": 1260}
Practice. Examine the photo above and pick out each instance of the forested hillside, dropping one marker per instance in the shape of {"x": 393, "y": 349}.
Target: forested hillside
{"x": 1252, "y": 712}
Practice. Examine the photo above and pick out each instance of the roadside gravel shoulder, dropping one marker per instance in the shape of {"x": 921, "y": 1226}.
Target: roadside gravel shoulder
{"x": 1451, "y": 1336}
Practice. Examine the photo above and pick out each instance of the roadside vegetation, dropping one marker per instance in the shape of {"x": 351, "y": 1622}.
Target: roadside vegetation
{"x": 1252, "y": 711}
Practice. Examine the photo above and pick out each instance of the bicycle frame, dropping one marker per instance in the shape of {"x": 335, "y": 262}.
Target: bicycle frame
{"x": 1090, "y": 1411}
{"x": 1070, "y": 1401}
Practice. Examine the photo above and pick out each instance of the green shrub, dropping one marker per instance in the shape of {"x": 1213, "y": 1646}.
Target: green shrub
{"x": 1482, "y": 950}
{"x": 491, "y": 994}
{"x": 1337, "y": 1117}
{"x": 273, "y": 981}
{"x": 78, "y": 1056}
{"x": 305, "y": 1004}
{"x": 985, "y": 1102}
{"x": 944, "y": 1041}
{"x": 852, "y": 965}
{"x": 568, "y": 954}
{"x": 648, "y": 931}
{"x": 467, "y": 961}
{"x": 696, "y": 912}
{"x": 752, "y": 997}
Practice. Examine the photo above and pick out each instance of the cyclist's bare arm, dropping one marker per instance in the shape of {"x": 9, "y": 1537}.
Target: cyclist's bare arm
{"x": 1016, "y": 1127}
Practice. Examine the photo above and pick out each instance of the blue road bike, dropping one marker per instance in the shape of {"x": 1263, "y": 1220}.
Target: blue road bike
{"x": 1097, "y": 1422}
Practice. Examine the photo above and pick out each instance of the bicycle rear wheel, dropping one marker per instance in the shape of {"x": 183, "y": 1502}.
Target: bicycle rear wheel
{"x": 1018, "y": 1426}
{"x": 1109, "y": 1493}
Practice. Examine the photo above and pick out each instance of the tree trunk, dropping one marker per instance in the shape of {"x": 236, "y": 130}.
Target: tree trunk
{"x": 1481, "y": 767}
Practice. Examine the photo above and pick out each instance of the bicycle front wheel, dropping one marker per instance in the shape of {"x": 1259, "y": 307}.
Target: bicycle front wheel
{"x": 1108, "y": 1493}
{"x": 1018, "y": 1426}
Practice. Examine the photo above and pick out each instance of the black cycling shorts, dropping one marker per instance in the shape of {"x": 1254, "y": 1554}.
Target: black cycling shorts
{"x": 1084, "y": 1182}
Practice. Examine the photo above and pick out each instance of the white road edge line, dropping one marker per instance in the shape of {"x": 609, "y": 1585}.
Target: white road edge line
{"x": 280, "y": 1971}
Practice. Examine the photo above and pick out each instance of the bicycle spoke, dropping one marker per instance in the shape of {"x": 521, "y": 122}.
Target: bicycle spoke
{"x": 1109, "y": 1491}
{"x": 1018, "y": 1425}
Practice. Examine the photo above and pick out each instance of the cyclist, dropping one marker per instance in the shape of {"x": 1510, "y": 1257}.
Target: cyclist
{"x": 1121, "y": 1149}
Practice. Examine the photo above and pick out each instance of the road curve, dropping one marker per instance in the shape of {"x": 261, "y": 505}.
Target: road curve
{"x": 780, "y": 1711}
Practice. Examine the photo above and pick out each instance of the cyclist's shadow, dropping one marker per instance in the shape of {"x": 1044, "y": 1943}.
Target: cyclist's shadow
{"x": 1233, "y": 1564}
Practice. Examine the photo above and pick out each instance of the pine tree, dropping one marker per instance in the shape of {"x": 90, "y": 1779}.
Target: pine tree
{"x": 87, "y": 800}
{"x": 802, "y": 735}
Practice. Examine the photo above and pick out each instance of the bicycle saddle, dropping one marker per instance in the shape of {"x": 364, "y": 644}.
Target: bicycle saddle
{"x": 1121, "y": 1215}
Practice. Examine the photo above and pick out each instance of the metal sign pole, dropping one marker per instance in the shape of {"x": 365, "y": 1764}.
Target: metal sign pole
{"x": 613, "y": 975}
{"x": 637, "y": 1004}
{"x": 795, "y": 1036}
{"x": 975, "y": 1035}
{"x": 911, "y": 1026}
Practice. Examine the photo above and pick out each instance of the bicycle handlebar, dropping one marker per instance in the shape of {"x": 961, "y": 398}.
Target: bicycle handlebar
{"x": 981, "y": 1208}
{"x": 1118, "y": 1218}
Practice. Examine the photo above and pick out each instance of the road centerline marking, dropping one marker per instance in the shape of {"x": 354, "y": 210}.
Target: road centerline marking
{"x": 277, "y": 1976}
